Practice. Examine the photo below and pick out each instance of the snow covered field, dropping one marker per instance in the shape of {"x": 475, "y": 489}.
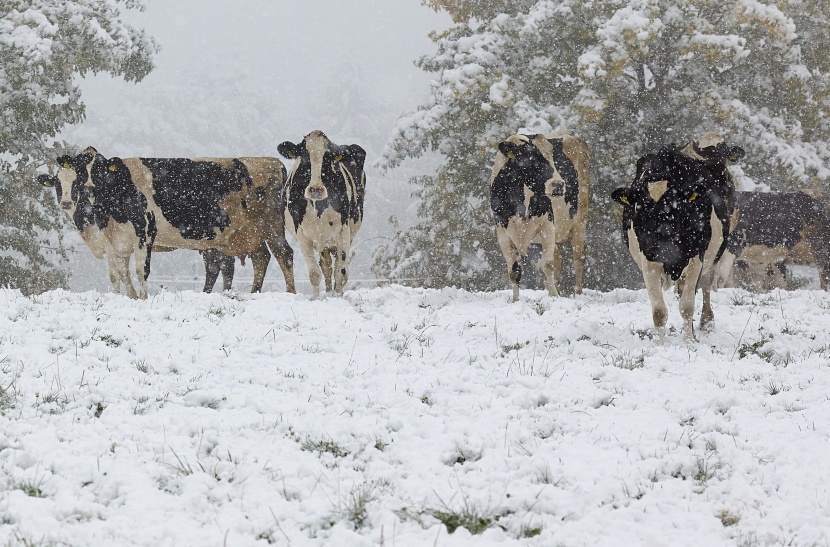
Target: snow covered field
{"x": 211, "y": 420}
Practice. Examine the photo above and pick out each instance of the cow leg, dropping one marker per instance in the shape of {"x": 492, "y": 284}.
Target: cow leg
{"x": 227, "y": 266}
{"x": 115, "y": 276}
{"x": 513, "y": 259}
{"x": 326, "y": 266}
{"x": 707, "y": 316}
{"x": 551, "y": 259}
{"x": 142, "y": 270}
{"x": 211, "y": 269}
{"x": 314, "y": 271}
{"x": 122, "y": 266}
{"x": 578, "y": 248}
{"x": 260, "y": 259}
{"x": 342, "y": 258}
{"x": 652, "y": 276}
{"x": 284, "y": 254}
{"x": 687, "y": 297}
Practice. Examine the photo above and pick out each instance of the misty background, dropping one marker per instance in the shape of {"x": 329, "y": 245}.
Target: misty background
{"x": 236, "y": 78}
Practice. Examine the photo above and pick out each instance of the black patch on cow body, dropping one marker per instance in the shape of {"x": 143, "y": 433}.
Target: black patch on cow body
{"x": 773, "y": 219}
{"x": 507, "y": 191}
{"x": 529, "y": 168}
{"x": 190, "y": 193}
{"x": 568, "y": 173}
{"x": 676, "y": 227}
{"x": 117, "y": 198}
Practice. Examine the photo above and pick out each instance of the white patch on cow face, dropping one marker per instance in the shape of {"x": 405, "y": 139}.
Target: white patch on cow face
{"x": 316, "y": 144}
{"x": 67, "y": 176}
{"x": 708, "y": 139}
{"x": 657, "y": 189}
{"x": 555, "y": 186}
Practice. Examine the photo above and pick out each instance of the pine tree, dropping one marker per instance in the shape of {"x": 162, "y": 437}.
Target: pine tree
{"x": 627, "y": 76}
{"x": 44, "y": 46}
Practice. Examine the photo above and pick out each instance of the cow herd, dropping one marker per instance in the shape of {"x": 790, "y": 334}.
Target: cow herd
{"x": 683, "y": 221}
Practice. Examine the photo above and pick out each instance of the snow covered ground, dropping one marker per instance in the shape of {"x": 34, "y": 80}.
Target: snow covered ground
{"x": 237, "y": 419}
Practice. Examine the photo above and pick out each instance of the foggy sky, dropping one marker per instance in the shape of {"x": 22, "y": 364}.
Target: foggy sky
{"x": 237, "y": 77}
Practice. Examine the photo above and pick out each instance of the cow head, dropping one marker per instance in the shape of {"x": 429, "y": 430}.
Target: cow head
{"x": 529, "y": 159}
{"x": 72, "y": 183}
{"x": 668, "y": 204}
{"x": 712, "y": 148}
{"x": 319, "y": 163}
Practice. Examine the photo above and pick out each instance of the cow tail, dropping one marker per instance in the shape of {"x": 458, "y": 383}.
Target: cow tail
{"x": 723, "y": 213}
{"x": 152, "y": 230}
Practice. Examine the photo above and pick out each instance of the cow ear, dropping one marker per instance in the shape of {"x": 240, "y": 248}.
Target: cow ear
{"x": 509, "y": 149}
{"x": 288, "y": 150}
{"x": 46, "y": 180}
{"x": 620, "y": 195}
{"x": 736, "y": 153}
{"x": 557, "y": 146}
{"x": 357, "y": 154}
{"x": 65, "y": 161}
{"x": 86, "y": 159}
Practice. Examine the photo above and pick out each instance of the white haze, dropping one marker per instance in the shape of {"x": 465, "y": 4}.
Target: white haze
{"x": 237, "y": 78}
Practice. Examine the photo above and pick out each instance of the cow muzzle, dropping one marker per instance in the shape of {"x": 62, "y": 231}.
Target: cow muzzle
{"x": 554, "y": 188}
{"x": 315, "y": 193}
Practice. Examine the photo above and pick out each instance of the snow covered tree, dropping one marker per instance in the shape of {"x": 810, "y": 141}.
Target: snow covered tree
{"x": 45, "y": 45}
{"x": 627, "y": 76}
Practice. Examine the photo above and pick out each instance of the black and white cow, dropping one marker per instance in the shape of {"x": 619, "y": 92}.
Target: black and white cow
{"x": 776, "y": 229}
{"x": 677, "y": 215}
{"x": 131, "y": 205}
{"x": 539, "y": 194}
{"x": 216, "y": 262}
{"x": 324, "y": 205}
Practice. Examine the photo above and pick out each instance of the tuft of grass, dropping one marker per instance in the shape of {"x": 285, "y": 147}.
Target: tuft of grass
{"x": 754, "y": 349}
{"x": 529, "y": 531}
{"x": 626, "y": 361}
{"x": 109, "y": 340}
{"x": 470, "y": 517}
{"x": 18, "y": 539}
{"x": 401, "y": 345}
{"x": 545, "y": 476}
{"x": 728, "y": 518}
{"x": 31, "y": 488}
{"x": 52, "y": 402}
{"x": 463, "y": 456}
{"x": 142, "y": 366}
{"x": 355, "y": 509}
{"x": 703, "y": 472}
{"x": 324, "y": 445}
{"x": 773, "y": 388}
{"x": 7, "y": 400}
{"x": 507, "y": 348}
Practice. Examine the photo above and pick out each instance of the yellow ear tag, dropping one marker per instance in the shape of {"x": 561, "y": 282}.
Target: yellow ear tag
{"x": 338, "y": 157}
{"x": 112, "y": 167}
{"x": 290, "y": 155}
{"x": 66, "y": 164}
{"x": 511, "y": 154}
{"x": 624, "y": 200}
{"x": 693, "y": 196}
